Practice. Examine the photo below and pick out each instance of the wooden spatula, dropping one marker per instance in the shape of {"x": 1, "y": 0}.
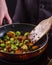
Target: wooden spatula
{"x": 40, "y": 30}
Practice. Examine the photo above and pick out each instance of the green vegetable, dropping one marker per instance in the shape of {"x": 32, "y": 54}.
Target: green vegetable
{"x": 17, "y": 44}
{"x": 8, "y": 42}
{"x": 14, "y": 47}
{"x": 12, "y": 52}
{"x": 5, "y": 49}
{"x": 17, "y": 41}
{"x": 1, "y": 41}
{"x": 18, "y": 33}
{"x": 26, "y": 34}
{"x": 26, "y": 41}
{"x": 1, "y": 50}
{"x": 6, "y": 37}
{"x": 24, "y": 47}
{"x": 11, "y": 40}
{"x": 2, "y": 45}
{"x": 20, "y": 44}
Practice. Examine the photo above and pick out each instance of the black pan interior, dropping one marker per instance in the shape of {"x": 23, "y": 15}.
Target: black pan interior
{"x": 23, "y": 28}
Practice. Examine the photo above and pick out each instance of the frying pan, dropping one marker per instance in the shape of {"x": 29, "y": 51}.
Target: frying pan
{"x": 42, "y": 43}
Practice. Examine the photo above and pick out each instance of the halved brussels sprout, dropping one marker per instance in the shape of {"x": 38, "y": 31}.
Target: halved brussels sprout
{"x": 2, "y": 45}
{"x": 18, "y": 33}
{"x": 24, "y": 47}
{"x": 26, "y": 34}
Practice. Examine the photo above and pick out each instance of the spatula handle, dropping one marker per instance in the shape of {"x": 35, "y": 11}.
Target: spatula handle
{"x": 40, "y": 30}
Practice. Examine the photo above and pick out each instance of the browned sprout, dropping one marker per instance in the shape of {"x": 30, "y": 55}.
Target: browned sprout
{"x": 16, "y": 43}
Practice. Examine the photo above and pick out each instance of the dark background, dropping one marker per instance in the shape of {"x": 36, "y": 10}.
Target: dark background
{"x": 11, "y": 4}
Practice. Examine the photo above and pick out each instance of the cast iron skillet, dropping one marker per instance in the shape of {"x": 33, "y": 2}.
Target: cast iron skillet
{"x": 42, "y": 43}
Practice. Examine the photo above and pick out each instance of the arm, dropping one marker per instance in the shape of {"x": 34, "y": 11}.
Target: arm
{"x": 4, "y": 12}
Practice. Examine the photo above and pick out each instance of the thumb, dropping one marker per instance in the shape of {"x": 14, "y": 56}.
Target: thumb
{"x": 9, "y": 19}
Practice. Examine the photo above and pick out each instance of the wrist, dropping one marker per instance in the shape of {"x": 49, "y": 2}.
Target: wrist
{"x": 2, "y": 1}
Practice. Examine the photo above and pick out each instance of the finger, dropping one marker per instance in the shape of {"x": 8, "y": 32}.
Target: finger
{"x": 1, "y": 20}
{"x": 9, "y": 19}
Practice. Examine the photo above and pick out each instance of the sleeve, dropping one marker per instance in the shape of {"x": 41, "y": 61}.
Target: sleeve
{"x": 45, "y": 9}
{"x": 45, "y": 12}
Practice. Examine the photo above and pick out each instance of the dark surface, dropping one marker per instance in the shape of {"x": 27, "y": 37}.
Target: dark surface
{"x": 43, "y": 60}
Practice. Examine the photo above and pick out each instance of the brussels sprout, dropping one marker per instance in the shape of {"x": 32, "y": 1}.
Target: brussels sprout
{"x": 8, "y": 42}
{"x": 17, "y": 41}
{"x": 21, "y": 44}
{"x": 14, "y": 42}
{"x": 26, "y": 34}
{"x": 34, "y": 47}
{"x": 1, "y": 41}
{"x": 17, "y": 44}
{"x": 11, "y": 34}
{"x": 24, "y": 47}
{"x": 5, "y": 49}
{"x": 12, "y": 52}
{"x": 26, "y": 41}
{"x": 11, "y": 39}
{"x": 18, "y": 51}
{"x": 30, "y": 44}
{"x": 2, "y": 45}
{"x": 14, "y": 47}
{"x": 6, "y": 37}
{"x": 18, "y": 33}
{"x": 1, "y": 50}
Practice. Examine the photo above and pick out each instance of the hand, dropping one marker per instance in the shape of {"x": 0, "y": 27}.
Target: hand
{"x": 4, "y": 12}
